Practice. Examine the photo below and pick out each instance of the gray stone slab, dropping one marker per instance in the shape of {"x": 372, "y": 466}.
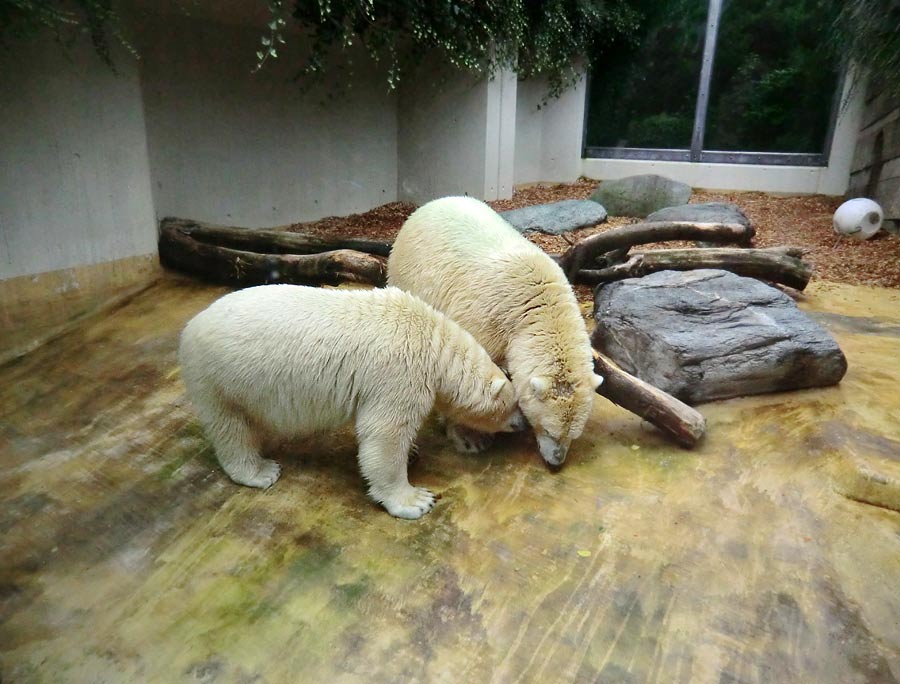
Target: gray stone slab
{"x": 708, "y": 334}
{"x": 640, "y": 195}
{"x": 556, "y": 218}
{"x": 708, "y": 212}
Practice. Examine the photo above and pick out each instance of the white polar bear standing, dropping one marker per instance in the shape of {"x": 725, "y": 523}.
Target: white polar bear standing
{"x": 285, "y": 360}
{"x": 461, "y": 257}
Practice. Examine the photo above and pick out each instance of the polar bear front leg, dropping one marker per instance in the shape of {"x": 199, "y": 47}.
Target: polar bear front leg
{"x": 466, "y": 440}
{"x": 383, "y": 459}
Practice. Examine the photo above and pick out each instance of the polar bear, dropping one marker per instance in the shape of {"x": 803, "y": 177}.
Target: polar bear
{"x": 461, "y": 257}
{"x": 279, "y": 361}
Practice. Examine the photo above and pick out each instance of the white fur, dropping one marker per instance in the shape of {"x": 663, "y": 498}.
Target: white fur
{"x": 284, "y": 360}
{"x": 461, "y": 257}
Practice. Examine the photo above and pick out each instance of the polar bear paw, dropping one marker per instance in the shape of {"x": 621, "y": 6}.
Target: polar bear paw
{"x": 468, "y": 441}
{"x": 266, "y": 475}
{"x": 412, "y": 504}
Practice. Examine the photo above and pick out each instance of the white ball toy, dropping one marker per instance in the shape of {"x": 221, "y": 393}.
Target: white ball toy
{"x": 859, "y": 218}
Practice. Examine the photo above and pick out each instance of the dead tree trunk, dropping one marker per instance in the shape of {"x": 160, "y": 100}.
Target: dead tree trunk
{"x": 584, "y": 253}
{"x": 178, "y": 249}
{"x": 271, "y": 241}
{"x": 677, "y": 420}
{"x": 764, "y": 264}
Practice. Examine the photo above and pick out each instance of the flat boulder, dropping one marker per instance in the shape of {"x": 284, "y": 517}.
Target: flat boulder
{"x": 708, "y": 212}
{"x": 556, "y": 218}
{"x": 708, "y": 334}
{"x": 641, "y": 195}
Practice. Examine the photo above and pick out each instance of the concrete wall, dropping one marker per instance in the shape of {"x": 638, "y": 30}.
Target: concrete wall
{"x": 876, "y": 162}
{"x": 256, "y": 150}
{"x": 74, "y": 171}
{"x": 828, "y": 180}
{"x": 455, "y": 135}
{"x": 548, "y": 135}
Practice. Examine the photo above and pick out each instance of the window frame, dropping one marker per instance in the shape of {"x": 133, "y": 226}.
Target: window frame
{"x": 696, "y": 153}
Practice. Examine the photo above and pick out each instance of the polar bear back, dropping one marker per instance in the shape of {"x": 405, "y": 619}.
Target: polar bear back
{"x": 254, "y": 348}
{"x": 461, "y": 257}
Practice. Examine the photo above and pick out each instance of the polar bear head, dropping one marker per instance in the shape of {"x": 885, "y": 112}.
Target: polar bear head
{"x": 557, "y": 407}
{"x": 490, "y": 406}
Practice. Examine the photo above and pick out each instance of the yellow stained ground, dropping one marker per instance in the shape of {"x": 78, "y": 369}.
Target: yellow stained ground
{"x": 126, "y": 555}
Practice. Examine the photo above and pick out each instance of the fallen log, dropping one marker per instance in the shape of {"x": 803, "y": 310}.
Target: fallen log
{"x": 179, "y": 250}
{"x": 763, "y": 264}
{"x": 266, "y": 241}
{"x": 586, "y": 251}
{"x": 683, "y": 424}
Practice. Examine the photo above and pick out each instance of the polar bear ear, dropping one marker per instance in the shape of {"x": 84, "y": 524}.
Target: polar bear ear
{"x": 596, "y": 381}
{"x": 540, "y": 385}
{"x": 497, "y": 385}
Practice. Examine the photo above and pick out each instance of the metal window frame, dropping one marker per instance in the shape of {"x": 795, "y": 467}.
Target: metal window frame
{"x": 696, "y": 153}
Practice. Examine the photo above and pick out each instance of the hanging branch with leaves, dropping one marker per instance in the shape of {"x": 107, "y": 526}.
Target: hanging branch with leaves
{"x": 271, "y": 40}
{"x": 551, "y": 39}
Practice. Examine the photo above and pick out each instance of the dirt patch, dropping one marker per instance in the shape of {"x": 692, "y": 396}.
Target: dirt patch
{"x": 804, "y": 221}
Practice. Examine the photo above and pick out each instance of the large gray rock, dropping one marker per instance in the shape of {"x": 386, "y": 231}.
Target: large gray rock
{"x": 556, "y": 218}
{"x": 709, "y": 334}
{"x": 640, "y": 195}
{"x": 709, "y": 212}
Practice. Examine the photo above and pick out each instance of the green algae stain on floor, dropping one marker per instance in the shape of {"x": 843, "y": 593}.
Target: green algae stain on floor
{"x": 127, "y": 555}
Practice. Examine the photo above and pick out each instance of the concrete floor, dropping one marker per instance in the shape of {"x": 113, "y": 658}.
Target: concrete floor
{"x": 127, "y": 556}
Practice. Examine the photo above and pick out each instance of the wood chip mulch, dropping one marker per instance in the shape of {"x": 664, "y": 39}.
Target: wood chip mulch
{"x": 803, "y": 221}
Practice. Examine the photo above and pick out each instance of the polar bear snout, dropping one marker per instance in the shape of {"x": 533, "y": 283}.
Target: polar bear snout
{"x": 552, "y": 451}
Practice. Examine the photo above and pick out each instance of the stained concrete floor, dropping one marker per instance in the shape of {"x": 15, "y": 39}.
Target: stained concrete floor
{"x": 127, "y": 556}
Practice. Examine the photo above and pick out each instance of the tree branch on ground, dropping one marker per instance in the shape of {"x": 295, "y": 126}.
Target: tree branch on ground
{"x": 180, "y": 250}
{"x": 585, "y": 252}
{"x": 674, "y": 418}
{"x": 773, "y": 265}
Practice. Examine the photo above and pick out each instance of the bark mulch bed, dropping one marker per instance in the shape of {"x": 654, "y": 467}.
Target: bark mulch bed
{"x": 804, "y": 221}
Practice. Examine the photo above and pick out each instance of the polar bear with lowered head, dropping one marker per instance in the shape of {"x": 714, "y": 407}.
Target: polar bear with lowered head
{"x": 461, "y": 257}
{"x": 280, "y": 361}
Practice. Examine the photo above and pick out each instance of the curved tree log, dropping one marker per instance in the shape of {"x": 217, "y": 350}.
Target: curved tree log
{"x": 585, "y": 251}
{"x": 763, "y": 264}
{"x": 178, "y": 249}
{"x": 676, "y": 419}
{"x": 272, "y": 241}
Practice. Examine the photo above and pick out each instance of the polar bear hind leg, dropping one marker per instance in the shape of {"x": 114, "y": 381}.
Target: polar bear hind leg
{"x": 237, "y": 448}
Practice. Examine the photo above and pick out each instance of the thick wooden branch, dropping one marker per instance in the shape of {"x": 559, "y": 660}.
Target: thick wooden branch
{"x": 178, "y": 249}
{"x": 676, "y": 419}
{"x": 764, "y": 264}
{"x": 272, "y": 241}
{"x": 584, "y": 252}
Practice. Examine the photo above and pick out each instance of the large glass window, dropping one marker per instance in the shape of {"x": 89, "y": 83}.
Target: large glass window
{"x": 707, "y": 80}
{"x": 645, "y": 94}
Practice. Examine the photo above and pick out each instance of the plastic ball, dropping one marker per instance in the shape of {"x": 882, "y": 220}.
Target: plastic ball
{"x": 860, "y": 218}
